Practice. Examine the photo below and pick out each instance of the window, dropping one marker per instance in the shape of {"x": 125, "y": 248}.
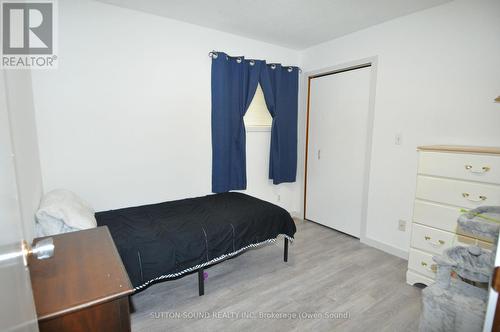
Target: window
{"x": 257, "y": 117}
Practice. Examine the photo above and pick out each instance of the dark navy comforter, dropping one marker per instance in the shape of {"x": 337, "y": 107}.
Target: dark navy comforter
{"x": 172, "y": 237}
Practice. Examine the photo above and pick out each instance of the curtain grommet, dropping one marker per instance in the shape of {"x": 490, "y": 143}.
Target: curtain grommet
{"x": 238, "y": 60}
{"x": 273, "y": 66}
{"x": 290, "y": 69}
{"x": 252, "y": 63}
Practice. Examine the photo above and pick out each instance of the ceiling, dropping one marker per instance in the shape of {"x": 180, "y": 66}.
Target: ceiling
{"x": 295, "y": 24}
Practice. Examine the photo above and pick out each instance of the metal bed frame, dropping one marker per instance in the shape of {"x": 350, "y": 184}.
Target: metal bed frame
{"x": 201, "y": 277}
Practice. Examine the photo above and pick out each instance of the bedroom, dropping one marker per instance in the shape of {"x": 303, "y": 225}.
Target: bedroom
{"x": 124, "y": 119}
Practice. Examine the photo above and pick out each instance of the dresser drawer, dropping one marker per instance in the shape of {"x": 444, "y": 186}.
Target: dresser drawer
{"x": 422, "y": 263}
{"x": 470, "y": 167}
{"x": 456, "y": 192}
{"x": 436, "y": 241}
{"x": 436, "y": 215}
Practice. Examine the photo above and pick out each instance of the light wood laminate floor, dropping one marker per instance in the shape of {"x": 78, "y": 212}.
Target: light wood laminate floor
{"x": 327, "y": 272}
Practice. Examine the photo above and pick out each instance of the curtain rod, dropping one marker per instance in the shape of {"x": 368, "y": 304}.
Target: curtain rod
{"x": 213, "y": 55}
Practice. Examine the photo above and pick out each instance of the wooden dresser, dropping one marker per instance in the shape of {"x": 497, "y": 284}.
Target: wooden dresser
{"x": 84, "y": 286}
{"x": 450, "y": 178}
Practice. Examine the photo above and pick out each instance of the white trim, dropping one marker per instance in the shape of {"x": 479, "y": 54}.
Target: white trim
{"x": 213, "y": 261}
{"x": 401, "y": 253}
{"x": 373, "y": 61}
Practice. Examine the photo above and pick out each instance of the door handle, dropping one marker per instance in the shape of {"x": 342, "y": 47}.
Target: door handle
{"x": 43, "y": 249}
{"x": 319, "y": 154}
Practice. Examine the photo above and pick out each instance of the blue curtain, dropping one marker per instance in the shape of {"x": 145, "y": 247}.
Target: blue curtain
{"x": 234, "y": 81}
{"x": 280, "y": 86}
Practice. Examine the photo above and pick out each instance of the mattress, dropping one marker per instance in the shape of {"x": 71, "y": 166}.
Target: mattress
{"x": 166, "y": 240}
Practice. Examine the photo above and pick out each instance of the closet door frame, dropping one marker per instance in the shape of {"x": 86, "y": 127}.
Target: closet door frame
{"x": 372, "y": 62}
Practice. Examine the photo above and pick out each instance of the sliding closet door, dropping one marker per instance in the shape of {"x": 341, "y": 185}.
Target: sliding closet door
{"x": 338, "y": 125}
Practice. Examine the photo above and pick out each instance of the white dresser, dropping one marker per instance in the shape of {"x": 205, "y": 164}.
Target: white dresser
{"x": 450, "y": 178}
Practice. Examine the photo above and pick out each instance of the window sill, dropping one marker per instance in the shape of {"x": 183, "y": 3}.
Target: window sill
{"x": 257, "y": 128}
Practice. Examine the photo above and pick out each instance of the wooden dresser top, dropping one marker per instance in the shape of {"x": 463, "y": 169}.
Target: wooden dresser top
{"x": 85, "y": 270}
{"x": 461, "y": 149}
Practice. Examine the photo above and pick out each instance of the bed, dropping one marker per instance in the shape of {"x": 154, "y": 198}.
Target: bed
{"x": 167, "y": 240}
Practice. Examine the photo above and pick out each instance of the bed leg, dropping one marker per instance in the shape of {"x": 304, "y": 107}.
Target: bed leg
{"x": 201, "y": 282}
{"x": 285, "y": 254}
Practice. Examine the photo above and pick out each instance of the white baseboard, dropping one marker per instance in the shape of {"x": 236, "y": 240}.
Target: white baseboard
{"x": 395, "y": 251}
{"x": 385, "y": 247}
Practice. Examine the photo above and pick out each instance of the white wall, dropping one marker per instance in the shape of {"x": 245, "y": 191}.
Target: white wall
{"x": 438, "y": 73}
{"x": 125, "y": 119}
{"x": 23, "y": 131}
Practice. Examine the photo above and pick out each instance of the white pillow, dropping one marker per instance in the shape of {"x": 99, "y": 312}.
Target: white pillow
{"x": 51, "y": 226}
{"x": 67, "y": 207}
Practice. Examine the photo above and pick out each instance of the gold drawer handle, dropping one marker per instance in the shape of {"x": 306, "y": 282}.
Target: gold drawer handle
{"x": 433, "y": 267}
{"x": 481, "y": 197}
{"x": 484, "y": 169}
{"x": 439, "y": 242}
